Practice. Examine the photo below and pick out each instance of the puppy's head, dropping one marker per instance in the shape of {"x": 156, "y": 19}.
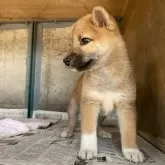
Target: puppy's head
{"x": 93, "y": 37}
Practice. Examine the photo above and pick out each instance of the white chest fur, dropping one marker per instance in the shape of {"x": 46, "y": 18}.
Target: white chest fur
{"x": 107, "y": 99}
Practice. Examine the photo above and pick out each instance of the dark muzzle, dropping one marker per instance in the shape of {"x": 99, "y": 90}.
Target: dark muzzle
{"x": 76, "y": 61}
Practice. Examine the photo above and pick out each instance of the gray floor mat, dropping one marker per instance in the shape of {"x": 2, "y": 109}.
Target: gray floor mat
{"x": 46, "y": 147}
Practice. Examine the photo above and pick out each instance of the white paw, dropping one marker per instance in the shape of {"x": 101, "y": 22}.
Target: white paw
{"x": 66, "y": 134}
{"x": 88, "y": 149}
{"x": 87, "y": 154}
{"x": 134, "y": 155}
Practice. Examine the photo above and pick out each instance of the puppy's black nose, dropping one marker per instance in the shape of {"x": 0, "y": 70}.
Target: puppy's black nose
{"x": 67, "y": 61}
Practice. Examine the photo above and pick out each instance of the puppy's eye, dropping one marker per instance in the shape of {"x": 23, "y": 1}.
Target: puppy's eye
{"x": 85, "y": 41}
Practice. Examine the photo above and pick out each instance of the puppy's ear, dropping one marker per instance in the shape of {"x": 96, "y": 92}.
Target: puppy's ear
{"x": 101, "y": 18}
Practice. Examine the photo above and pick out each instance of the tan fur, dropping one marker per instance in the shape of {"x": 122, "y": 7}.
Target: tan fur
{"x": 109, "y": 84}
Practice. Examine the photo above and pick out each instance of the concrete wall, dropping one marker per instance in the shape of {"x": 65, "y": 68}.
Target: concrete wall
{"x": 56, "y": 80}
{"x": 13, "y": 55}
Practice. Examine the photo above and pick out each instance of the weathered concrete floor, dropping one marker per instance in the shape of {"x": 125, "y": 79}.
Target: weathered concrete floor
{"x": 46, "y": 147}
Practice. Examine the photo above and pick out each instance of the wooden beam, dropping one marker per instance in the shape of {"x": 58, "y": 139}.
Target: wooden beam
{"x": 55, "y": 9}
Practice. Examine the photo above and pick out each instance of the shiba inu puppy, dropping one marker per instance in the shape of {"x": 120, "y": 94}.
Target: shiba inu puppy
{"x": 107, "y": 83}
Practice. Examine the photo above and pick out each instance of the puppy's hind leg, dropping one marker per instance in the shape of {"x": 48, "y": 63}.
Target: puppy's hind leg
{"x": 73, "y": 117}
{"x": 100, "y": 130}
{"x": 103, "y": 133}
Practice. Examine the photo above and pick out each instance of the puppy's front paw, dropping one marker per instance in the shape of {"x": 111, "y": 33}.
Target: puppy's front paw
{"x": 88, "y": 149}
{"x": 66, "y": 134}
{"x": 134, "y": 155}
{"x": 87, "y": 154}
